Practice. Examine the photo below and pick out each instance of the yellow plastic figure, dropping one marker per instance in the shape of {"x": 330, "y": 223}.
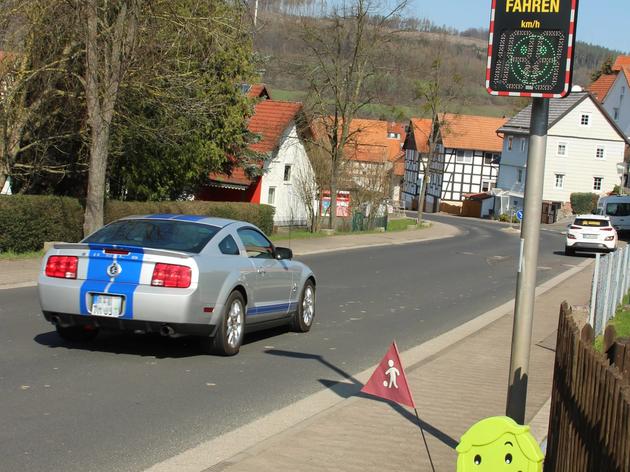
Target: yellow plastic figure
{"x": 499, "y": 444}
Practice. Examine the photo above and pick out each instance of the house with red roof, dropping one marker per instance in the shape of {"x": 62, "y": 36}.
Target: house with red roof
{"x": 416, "y": 151}
{"x": 612, "y": 92}
{"x": 467, "y": 159}
{"x": 284, "y": 168}
{"x": 374, "y": 156}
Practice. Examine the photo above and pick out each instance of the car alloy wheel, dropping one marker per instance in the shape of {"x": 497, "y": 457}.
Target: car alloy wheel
{"x": 308, "y": 305}
{"x": 303, "y": 318}
{"x": 234, "y": 324}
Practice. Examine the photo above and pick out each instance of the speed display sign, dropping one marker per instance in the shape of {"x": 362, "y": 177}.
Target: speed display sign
{"x": 530, "y": 50}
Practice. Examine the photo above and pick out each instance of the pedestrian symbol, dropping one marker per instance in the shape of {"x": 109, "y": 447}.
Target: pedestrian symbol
{"x": 392, "y": 372}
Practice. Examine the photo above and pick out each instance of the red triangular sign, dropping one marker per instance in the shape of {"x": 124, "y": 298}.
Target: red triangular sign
{"x": 389, "y": 381}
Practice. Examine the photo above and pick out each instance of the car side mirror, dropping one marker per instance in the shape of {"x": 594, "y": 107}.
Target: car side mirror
{"x": 283, "y": 253}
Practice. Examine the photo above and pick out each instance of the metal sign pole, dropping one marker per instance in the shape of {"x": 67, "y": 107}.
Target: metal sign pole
{"x": 526, "y": 278}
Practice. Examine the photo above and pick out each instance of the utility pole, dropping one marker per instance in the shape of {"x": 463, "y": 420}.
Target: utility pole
{"x": 528, "y": 262}
{"x": 530, "y": 54}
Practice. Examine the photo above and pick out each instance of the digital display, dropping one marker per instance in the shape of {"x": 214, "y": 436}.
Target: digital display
{"x": 530, "y": 50}
{"x": 529, "y": 60}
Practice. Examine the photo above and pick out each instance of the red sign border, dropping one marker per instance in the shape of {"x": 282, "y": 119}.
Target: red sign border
{"x": 567, "y": 79}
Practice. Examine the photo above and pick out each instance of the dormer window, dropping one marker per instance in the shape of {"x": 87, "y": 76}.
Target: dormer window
{"x": 393, "y": 135}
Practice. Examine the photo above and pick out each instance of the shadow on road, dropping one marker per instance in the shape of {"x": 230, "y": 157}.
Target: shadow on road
{"x": 353, "y": 389}
{"x": 145, "y": 345}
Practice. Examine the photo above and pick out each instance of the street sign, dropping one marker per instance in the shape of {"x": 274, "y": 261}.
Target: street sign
{"x": 530, "y": 49}
{"x": 519, "y": 215}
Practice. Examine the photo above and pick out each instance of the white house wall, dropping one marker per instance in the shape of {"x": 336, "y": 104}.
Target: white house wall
{"x": 579, "y": 166}
{"x": 462, "y": 177}
{"x": 289, "y": 207}
{"x": 599, "y": 127}
{"x": 618, "y": 98}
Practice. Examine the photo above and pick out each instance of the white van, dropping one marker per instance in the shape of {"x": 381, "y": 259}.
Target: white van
{"x": 617, "y": 207}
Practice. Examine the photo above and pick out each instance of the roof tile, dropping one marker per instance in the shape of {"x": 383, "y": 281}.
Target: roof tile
{"x": 472, "y": 132}
{"x": 602, "y": 86}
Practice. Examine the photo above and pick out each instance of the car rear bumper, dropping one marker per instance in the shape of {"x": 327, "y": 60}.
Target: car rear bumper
{"x": 118, "y": 324}
{"x": 594, "y": 246}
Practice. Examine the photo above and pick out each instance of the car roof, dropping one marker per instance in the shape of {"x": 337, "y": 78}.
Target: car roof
{"x": 593, "y": 217}
{"x": 207, "y": 220}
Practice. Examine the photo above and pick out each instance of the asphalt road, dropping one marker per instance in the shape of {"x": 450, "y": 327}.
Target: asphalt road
{"x": 125, "y": 402}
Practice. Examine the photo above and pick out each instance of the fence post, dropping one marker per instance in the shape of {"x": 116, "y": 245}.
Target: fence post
{"x": 622, "y": 276}
{"x": 626, "y": 275}
{"x": 606, "y": 293}
{"x": 591, "y": 315}
{"x": 617, "y": 283}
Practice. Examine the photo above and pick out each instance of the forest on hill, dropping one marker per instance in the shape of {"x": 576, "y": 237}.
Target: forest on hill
{"x": 405, "y": 60}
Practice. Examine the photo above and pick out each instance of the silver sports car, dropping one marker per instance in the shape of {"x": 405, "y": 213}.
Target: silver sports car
{"x": 175, "y": 275}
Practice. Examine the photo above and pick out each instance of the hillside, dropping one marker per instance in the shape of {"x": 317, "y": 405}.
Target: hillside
{"x": 408, "y": 59}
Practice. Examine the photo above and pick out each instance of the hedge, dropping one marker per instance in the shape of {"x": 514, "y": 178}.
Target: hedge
{"x": 583, "y": 203}
{"x": 259, "y": 215}
{"x": 27, "y": 221}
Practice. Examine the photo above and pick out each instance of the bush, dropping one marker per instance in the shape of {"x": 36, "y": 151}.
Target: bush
{"x": 259, "y": 215}
{"x": 582, "y": 203}
{"x": 27, "y": 221}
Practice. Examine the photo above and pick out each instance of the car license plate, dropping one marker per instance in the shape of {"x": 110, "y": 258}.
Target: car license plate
{"x": 590, "y": 236}
{"x": 106, "y": 305}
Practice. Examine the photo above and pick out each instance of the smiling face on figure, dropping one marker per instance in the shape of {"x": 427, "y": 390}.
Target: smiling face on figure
{"x": 499, "y": 444}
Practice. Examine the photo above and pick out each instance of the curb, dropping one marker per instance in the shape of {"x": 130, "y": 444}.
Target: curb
{"x": 214, "y": 454}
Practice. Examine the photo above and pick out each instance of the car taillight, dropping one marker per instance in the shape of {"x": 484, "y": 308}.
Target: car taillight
{"x": 575, "y": 227}
{"x": 571, "y": 236}
{"x": 609, "y": 238}
{"x": 62, "y": 267}
{"x": 171, "y": 275}
{"x": 607, "y": 229}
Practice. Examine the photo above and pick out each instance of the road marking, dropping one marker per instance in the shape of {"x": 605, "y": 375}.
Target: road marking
{"x": 301, "y": 413}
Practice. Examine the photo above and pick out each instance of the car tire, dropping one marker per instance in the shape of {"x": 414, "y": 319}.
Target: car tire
{"x": 569, "y": 251}
{"x": 230, "y": 333}
{"x": 305, "y": 313}
{"x": 77, "y": 333}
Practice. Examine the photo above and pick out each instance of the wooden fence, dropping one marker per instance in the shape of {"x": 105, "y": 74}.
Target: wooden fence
{"x": 589, "y": 426}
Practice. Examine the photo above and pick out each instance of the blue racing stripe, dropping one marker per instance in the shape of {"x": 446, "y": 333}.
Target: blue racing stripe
{"x": 268, "y": 309}
{"x": 161, "y": 216}
{"x": 124, "y": 285}
{"x": 189, "y": 217}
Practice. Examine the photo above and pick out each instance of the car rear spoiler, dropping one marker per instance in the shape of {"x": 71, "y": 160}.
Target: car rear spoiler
{"x": 131, "y": 249}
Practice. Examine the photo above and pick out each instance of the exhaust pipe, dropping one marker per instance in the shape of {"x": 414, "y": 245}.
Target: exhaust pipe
{"x": 167, "y": 330}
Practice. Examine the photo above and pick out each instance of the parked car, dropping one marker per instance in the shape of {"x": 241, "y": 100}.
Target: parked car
{"x": 617, "y": 207}
{"x": 175, "y": 275}
{"x": 590, "y": 233}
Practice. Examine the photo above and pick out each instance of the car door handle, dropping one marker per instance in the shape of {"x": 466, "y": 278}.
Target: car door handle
{"x": 261, "y": 271}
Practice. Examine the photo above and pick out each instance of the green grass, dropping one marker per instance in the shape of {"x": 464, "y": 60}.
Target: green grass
{"x": 398, "y": 224}
{"x": 14, "y": 256}
{"x": 621, "y": 323}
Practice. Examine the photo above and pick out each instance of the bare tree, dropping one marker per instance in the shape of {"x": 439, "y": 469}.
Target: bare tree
{"x": 342, "y": 54}
{"x": 111, "y": 33}
{"x": 36, "y": 87}
{"x": 441, "y": 92}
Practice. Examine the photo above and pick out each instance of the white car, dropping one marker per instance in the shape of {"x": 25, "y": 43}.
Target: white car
{"x": 591, "y": 233}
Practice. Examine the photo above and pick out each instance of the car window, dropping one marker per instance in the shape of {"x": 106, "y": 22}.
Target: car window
{"x": 229, "y": 247}
{"x": 158, "y": 234}
{"x": 256, "y": 245}
{"x": 618, "y": 209}
{"x": 591, "y": 222}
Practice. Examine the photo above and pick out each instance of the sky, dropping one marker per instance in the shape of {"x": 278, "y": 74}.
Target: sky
{"x": 601, "y": 22}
